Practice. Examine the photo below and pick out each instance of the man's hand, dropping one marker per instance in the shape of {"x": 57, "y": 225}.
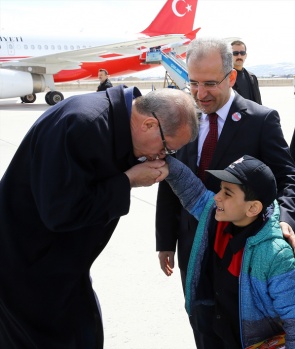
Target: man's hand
{"x": 167, "y": 261}
{"x": 146, "y": 174}
{"x": 288, "y": 234}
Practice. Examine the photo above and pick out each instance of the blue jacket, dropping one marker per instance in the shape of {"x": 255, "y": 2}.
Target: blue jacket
{"x": 267, "y": 278}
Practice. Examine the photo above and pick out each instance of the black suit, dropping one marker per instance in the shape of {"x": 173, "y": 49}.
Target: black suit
{"x": 292, "y": 146}
{"x": 253, "y": 86}
{"x": 258, "y": 133}
{"x": 104, "y": 85}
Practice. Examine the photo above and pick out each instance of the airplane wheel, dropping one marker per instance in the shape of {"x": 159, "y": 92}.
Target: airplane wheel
{"x": 46, "y": 97}
{"x": 53, "y": 97}
{"x": 29, "y": 98}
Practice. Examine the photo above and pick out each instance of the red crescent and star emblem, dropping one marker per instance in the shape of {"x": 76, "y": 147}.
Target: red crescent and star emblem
{"x": 176, "y": 12}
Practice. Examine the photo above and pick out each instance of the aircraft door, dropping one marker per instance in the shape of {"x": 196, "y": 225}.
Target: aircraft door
{"x": 10, "y": 48}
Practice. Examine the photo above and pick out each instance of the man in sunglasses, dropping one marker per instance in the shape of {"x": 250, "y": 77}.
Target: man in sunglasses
{"x": 246, "y": 84}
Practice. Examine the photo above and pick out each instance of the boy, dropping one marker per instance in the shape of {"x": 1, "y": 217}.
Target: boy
{"x": 241, "y": 272}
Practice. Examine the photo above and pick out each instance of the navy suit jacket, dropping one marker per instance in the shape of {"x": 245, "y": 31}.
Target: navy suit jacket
{"x": 258, "y": 133}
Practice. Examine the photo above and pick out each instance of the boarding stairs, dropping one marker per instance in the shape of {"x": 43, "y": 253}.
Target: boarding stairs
{"x": 176, "y": 71}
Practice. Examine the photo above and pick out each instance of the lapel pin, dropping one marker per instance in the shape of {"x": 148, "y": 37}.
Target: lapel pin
{"x": 236, "y": 116}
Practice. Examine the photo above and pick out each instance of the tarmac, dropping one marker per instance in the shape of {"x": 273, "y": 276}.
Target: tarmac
{"x": 142, "y": 308}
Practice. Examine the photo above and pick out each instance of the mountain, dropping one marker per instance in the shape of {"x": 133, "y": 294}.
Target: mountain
{"x": 286, "y": 69}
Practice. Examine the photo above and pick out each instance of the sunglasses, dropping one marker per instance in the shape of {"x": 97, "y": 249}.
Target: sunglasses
{"x": 236, "y": 53}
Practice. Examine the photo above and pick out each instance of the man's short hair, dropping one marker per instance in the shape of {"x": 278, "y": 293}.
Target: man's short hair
{"x": 104, "y": 70}
{"x": 239, "y": 42}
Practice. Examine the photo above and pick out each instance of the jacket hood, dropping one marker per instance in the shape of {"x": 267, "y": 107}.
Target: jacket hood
{"x": 271, "y": 228}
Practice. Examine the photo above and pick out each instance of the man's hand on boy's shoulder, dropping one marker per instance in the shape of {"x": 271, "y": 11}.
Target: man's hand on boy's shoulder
{"x": 288, "y": 234}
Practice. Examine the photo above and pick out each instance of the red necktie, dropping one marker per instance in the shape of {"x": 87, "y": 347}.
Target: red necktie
{"x": 208, "y": 146}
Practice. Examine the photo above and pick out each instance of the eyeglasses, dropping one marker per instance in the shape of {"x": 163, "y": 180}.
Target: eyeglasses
{"x": 167, "y": 151}
{"x": 209, "y": 85}
{"x": 236, "y": 53}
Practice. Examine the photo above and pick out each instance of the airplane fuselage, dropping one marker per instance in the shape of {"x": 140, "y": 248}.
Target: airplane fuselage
{"x": 30, "y": 65}
{"x": 13, "y": 48}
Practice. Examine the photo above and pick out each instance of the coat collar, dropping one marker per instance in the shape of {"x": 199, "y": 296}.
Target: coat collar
{"x": 122, "y": 131}
{"x": 271, "y": 228}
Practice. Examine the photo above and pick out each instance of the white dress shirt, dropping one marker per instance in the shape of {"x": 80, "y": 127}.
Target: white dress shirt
{"x": 204, "y": 123}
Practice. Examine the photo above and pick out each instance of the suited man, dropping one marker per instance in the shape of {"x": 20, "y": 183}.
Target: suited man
{"x": 246, "y": 82}
{"x": 243, "y": 127}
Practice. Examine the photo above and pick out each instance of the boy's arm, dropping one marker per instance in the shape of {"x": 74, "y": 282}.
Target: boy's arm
{"x": 192, "y": 193}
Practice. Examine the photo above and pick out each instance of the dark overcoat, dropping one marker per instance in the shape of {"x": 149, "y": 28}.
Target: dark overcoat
{"x": 60, "y": 201}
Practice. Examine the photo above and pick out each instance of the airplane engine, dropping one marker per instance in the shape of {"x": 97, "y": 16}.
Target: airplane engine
{"x": 17, "y": 83}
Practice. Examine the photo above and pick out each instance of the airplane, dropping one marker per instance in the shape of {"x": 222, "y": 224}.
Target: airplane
{"x": 32, "y": 65}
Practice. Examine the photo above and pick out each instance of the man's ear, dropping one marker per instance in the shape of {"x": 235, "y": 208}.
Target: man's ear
{"x": 148, "y": 123}
{"x": 255, "y": 208}
{"x": 232, "y": 77}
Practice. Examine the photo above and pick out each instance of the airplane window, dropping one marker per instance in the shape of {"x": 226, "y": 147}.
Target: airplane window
{"x": 33, "y": 47}
{"x": 52, "y": 47}
{"x": 46, "y": 47}
{"x": 10, "y": 46}
{"x": 72, "y": 47}
{"x": 39, "y": 47}
{"x": 26, "y": 47}
{"x": 58, "y": 47}
{"x": 66, "y": 47}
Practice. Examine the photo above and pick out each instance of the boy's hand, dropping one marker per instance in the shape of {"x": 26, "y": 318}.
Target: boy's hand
{"x": 165, "y": 171}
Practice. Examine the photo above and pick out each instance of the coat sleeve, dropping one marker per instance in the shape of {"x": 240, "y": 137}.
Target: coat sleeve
{"x": 276, "y": 154}
{"x": 256, "y": 91}
{"x": 75, "y": 180}
{"x": 167, "y": 218}
{"x": 188, "y": 187}
{"x": 292, "y": 146}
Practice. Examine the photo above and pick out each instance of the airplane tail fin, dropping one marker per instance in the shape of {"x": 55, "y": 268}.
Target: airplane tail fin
{"x": 175, "y": 17}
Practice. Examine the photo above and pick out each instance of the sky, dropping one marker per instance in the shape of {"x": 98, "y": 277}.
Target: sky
{"x": 266, "y": 26}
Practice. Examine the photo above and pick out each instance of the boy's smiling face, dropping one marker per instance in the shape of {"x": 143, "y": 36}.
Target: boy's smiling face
{"x": 232, "y": 207}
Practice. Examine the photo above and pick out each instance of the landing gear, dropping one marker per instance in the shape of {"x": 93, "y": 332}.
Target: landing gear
{"x": 53, "y": 97}
{"x": 29, "y": 98}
